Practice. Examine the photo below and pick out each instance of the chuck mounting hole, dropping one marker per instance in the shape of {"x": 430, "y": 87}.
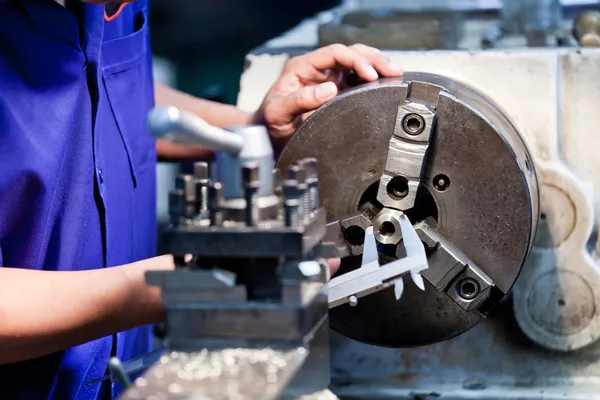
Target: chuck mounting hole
{"x": 413, "y": 124}
{"x": 386, "y": 228}
{"x": 441, "y": 183}
{"x": 398, "y": 187}
{"x": 468, "y": 289}
{"x": 355, "y": 235}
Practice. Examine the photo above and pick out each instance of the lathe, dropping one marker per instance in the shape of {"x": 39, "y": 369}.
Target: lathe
{"x": 460, "y": 202}
{"x": 451, "y": 201}
{"x": 541, "y": 342}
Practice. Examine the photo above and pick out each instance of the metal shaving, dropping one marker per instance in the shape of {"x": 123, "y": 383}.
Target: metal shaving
{"x": 232, "y": 374}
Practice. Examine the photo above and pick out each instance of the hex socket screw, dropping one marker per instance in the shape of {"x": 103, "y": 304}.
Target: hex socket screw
{"x": 215, "y": 203}
{"x": 297, "y": 173}
{"x": 251, "y": 182}
{"x": 291, "y": 203}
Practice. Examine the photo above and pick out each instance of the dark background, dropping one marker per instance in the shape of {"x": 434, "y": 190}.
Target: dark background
{"x": 206, "y": 40}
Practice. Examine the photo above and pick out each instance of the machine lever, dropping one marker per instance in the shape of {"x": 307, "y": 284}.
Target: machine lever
{"x": 178, "y": 126}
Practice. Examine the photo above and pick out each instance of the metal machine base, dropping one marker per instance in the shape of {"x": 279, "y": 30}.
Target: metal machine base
{"x": 494, "y": 360}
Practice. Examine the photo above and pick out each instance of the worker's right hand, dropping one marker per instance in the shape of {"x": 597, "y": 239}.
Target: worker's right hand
{"x": 311, "y": 80}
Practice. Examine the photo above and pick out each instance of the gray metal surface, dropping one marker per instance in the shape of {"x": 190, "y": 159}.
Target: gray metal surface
{"x": 246, "y": 316}
{"x": 392, "y": 28}
{"x": 406, "y": 156}
{"x": 224, "y": 374}
{"x": 272, "y": 240}
{"x": 489, "y": 211}
{"x": 493, "y": 361}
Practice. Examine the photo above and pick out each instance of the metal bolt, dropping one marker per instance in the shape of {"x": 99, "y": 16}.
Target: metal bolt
{"x": 291, "y": 203}
{"x": 186, "y": 183}
{"x": 353, "y": 301}
{"x": 413, "y": 124}
{"x": 468, "y": 288}
{"x": 251, "y": 182}
{"x": 201, "y": 170}
{"x": 313, "y": 182}
{"x": 298, "y": 173}
{"x": 177, "y": 205}
{"x": 277, "y": 182}
{"x": 215, "y": 202}
{"x": 441, "y": 182}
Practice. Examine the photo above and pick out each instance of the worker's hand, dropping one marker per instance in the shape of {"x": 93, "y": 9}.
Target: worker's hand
{"x": 334, "y": 265}
{"x": 311, "y": 80}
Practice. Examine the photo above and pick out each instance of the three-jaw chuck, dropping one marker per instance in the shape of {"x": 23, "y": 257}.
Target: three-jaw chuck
{"x": 445, "y": 156}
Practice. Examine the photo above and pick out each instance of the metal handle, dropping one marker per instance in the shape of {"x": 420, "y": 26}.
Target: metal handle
{"x": 117, "y": 372}
{"x": 178, "y": 126}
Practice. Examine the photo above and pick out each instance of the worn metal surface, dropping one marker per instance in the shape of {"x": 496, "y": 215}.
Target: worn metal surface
{"x": 489, "y": 211}
{"x": 493, "y": 361}
{"x": 406, "y": 156}
{"x": 553, "y": 103}
{"x": 272, "y": 239}
{"x": 246, "y": 315}
{"x": 394, "y": 29}
{"x": 223, "y": 374}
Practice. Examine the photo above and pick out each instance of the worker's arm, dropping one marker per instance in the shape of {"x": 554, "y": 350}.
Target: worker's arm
{"x": 306, "y": 83}
{"x": 42, "y": 312}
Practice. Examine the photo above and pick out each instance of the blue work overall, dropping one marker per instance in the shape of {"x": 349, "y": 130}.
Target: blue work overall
{"x": 77, "y": 166}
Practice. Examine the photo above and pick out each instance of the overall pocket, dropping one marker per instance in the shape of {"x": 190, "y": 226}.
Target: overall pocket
{"x": 127, "y": 77}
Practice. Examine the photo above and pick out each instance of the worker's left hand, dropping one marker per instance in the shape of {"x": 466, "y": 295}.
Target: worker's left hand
{"x": 311, "y": 80}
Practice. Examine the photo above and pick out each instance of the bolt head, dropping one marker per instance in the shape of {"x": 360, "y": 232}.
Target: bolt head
{"x": 290, "y": 189}
{"x": 311, "y": 166}
{"x": 215, "y": 194}
{"x": 250, "y": 176}
{"x": 186, "y": 183}
{"x": 201, "y": 170}
{"x": 297, "y": 172}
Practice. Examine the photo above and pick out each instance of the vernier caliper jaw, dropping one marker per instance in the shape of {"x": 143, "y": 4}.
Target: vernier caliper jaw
{"x": 372, "y": 277}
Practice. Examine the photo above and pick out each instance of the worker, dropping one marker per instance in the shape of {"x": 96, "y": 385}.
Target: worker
{"x": 77, "y": 182}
